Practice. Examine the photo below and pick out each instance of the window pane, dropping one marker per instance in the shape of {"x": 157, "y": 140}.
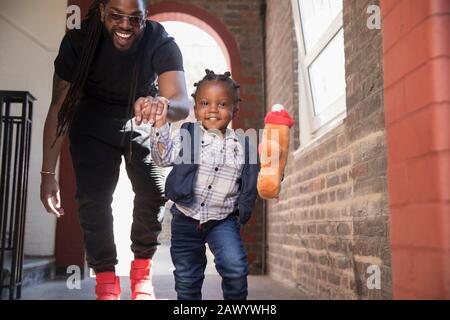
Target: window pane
{"x": 327, "y": 75}
{"x": 317, "y": 16}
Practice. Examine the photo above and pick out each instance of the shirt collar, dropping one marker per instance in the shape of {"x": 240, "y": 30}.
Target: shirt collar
{"x": 229, "y": 134}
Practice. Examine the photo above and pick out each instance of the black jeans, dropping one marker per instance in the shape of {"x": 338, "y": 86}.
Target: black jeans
{"x": 98, "y": 141}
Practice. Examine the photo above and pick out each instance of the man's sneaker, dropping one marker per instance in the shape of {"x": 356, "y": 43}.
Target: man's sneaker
{"x": 141, "y": 280}
{"x": 108, "y": 286}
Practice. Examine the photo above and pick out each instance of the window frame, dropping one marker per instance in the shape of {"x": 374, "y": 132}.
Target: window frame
{"x": 312, "y": 126}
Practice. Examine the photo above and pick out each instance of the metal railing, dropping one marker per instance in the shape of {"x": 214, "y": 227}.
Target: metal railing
{"x": 15, "y": 142}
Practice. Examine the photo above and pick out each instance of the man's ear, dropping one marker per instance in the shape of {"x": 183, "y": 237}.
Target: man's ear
{"x": 102, "y": 12}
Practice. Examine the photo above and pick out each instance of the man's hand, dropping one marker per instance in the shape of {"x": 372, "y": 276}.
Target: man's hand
{"x": 161, "y": 119}
{"x": 146, "y": 110}
{"x": 50, "y": 197}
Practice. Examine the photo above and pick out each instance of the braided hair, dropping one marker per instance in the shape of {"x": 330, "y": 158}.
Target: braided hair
{"x": 69, "y": 106}
{"x": 225, "y": 78}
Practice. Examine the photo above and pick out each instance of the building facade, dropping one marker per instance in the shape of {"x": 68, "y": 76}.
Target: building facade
{"x": 364, "y": 209}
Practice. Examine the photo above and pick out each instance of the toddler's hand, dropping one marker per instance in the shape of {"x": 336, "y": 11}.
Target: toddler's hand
{"x": 148, "y": 109}
{"x": 161, "y": 118}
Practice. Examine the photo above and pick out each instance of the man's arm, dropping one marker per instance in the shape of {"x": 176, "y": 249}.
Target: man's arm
{"x": 49, "y": 186}
{"x": 172, "y": 86}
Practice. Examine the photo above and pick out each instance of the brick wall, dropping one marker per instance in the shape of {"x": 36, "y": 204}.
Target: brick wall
{"x": 244, "y": 21}
{"x": 417, "y": 116}
{"x": 331, "y": 221}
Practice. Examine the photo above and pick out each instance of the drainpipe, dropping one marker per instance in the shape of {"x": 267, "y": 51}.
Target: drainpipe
{"x": 263, "y": 12}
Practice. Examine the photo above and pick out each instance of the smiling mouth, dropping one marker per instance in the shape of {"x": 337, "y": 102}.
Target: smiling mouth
{"x": 123, "y": 35}
{"x": 212, "y": 118}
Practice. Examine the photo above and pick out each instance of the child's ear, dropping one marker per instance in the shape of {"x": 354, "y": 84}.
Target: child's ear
{"x": 195, "y": 110}
{"x": 236, "y": 111}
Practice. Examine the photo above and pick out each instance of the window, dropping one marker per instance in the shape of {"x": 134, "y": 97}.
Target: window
{"x": 320, "y": 35}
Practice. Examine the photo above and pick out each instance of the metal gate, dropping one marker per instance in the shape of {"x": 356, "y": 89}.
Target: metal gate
{"x": 15, "y": 142}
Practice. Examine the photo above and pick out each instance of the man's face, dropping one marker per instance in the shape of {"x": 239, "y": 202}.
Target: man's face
{"x": 215, "y": 106}
{"x": 124, "y": 20}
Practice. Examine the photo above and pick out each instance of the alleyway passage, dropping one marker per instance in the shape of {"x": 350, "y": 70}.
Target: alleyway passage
{"x": 260, "y": 287}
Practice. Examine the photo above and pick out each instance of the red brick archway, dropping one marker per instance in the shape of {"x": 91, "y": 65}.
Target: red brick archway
{"x": 190, "y": 19}
{"x": 188, "y": 13}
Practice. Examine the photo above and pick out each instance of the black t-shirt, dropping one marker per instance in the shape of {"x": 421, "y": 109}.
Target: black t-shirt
{"x": 109, "y": 78}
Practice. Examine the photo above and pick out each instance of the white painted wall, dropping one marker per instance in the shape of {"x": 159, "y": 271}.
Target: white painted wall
{"x": 30, "y": 34}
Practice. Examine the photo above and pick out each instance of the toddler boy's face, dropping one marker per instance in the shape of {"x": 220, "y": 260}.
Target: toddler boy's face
{"x": 215, "y": 105}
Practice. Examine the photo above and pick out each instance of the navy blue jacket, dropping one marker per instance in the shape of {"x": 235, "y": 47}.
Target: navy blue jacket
{"x": 180, "y": 182}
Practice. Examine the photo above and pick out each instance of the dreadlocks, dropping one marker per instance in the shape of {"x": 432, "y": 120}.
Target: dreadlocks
{"x": 226, "y": 78}
{"x": 69, "y": 107}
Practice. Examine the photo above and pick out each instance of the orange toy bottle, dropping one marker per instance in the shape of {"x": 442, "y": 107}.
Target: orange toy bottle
{"x": 273, "y": 150}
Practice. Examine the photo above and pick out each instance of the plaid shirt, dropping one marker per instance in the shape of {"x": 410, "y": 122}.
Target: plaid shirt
{"x": 216, "y": 185}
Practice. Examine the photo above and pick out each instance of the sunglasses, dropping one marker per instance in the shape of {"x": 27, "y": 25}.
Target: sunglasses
{"x": 135, "y": 21}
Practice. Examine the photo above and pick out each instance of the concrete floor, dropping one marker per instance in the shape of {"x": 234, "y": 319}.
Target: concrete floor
{"x": 260, "y": 287}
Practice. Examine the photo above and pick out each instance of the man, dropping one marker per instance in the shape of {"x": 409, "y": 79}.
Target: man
{"x": 103, "y": 72}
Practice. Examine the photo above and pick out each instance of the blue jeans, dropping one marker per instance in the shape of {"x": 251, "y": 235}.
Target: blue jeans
{"x": 188, "y": 253}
